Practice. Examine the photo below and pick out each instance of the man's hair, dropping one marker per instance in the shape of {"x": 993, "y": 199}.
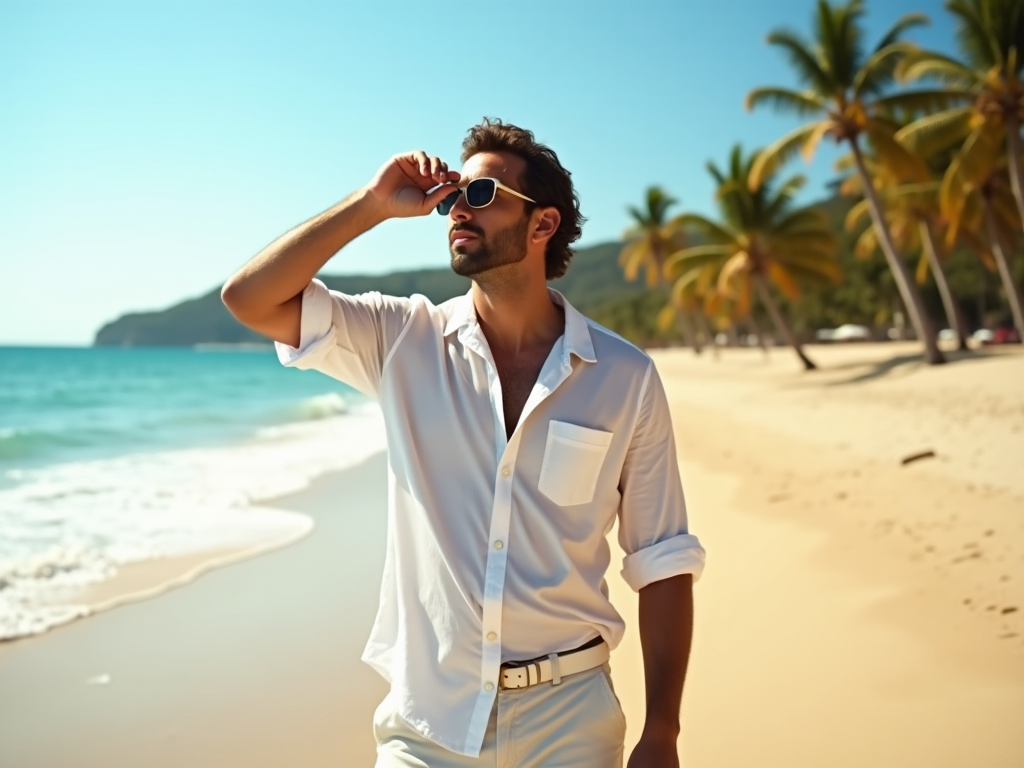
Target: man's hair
{"x": 545, "y": 180}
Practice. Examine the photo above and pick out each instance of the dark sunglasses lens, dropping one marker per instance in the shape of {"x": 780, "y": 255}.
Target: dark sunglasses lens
{"x": 480, "y": 192}
{"x": 446, "y": 205}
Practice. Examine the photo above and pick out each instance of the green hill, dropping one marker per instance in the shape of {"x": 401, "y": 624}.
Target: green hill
{"x": 593, "y": 280}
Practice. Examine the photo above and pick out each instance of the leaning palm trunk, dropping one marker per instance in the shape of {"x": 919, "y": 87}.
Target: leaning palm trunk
{"x": 705, "y": 333}
{"x": 756, "y": 328}
{"x": 908, "y": 290}
{"x": 690, "y": 338}
{"x": 1013, "y": 296}
{"x": 1013, "y": 147}
{"x": 953, "y": 316}
{"x": 780, "y": 322}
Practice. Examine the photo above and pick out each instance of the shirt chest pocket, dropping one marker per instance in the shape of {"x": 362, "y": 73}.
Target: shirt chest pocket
{"x": 573, "y": 457}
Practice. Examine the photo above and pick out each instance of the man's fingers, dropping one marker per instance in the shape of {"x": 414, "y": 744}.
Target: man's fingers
{"x": 439, "y": 194}
{"x": 438, "y": 170}
{"x": 423, "y": 162}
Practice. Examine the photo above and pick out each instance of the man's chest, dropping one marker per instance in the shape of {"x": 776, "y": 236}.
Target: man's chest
{"x": 518, "y": 375}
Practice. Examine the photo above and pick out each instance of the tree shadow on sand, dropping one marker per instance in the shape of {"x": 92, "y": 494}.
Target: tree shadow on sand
{"x": 906, "y": 362}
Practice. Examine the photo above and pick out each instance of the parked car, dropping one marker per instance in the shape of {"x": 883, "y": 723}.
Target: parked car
{"x": 844, "y": 333}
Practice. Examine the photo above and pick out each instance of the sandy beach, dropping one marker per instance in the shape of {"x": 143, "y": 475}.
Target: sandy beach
{"x": 856, "y": 610}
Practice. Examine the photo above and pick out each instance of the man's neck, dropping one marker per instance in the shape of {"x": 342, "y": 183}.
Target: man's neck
{"x": 517, "y": 314}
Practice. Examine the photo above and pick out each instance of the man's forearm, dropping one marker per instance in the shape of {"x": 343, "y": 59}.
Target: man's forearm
{"x": 285, "y": 267}
{"x": 666, "y": 630}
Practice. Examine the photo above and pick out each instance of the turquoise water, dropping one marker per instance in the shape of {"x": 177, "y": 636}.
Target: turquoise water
{"x": 112, "y": 456}
{"x": 59, "y": 405}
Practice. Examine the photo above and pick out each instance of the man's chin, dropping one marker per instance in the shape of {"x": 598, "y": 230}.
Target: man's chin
{"x": 463, "y": 264}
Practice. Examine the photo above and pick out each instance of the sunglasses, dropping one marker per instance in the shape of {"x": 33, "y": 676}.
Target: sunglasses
{"x": 479, "y": 194}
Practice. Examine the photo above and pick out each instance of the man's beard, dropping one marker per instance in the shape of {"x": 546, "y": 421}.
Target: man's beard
{"x": 506, "y": 246}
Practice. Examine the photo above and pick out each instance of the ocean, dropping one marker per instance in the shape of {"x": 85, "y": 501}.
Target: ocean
{"x": 111, "y": 456}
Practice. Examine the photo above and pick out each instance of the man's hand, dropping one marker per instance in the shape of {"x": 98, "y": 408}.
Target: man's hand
{"x": 400, "y": 186}
{"x": 654, "y": 750}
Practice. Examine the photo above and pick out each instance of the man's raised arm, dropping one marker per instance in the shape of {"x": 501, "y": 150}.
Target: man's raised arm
{"x": 266, "y": 293}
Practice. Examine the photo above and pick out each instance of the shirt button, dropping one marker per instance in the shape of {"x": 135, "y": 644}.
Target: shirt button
{"x": 505, "y": 471}
{"x": 499, "y": 545}
{"x": 492, "y": 635}
{"x": 489, "y": 686}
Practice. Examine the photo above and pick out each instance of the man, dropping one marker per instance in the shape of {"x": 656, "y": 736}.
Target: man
{"x": 517, "y": 430}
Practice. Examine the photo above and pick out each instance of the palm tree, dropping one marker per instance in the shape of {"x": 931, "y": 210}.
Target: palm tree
{"x": 759, "y": 239}
{"x": 991, "y": 37}
{"x": 651, "y": 238}
{"x": 977, "y": 197}
{"x": 848, "y": 91}
{"x": 648, "y": 243}
{"x": 912, "y": 213}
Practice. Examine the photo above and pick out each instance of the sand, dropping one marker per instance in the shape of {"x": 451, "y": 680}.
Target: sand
{"x": 855, "y": 610}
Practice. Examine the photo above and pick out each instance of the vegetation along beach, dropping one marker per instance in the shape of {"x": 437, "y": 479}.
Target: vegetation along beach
{"x": 192, "y": 536}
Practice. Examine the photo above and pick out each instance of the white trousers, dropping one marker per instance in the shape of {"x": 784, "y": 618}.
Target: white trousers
{"x": 578, "y": 722}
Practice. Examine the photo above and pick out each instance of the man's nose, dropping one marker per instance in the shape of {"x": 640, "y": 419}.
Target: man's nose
{"x": 461, "y": 210}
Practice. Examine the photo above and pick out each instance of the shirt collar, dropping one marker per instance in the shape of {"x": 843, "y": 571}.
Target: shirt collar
{"x": 577, "y": 339}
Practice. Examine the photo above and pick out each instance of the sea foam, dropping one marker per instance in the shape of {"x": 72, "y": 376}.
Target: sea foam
{"x": 67, "y": 526}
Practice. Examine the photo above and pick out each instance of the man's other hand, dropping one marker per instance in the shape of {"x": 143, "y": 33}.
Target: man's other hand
{"x": 654, "y": 750}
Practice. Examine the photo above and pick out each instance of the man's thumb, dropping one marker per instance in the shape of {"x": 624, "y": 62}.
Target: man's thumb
{"x": 440, "y": 193}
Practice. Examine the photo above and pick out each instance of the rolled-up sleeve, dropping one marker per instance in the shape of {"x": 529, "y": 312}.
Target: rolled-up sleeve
{"x": 347, "y": 337}
{"x": 653, "y": 527}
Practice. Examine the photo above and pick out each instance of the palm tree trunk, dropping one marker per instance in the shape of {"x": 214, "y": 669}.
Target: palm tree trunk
{"x": 780, "y": 322}
{"x": 908, "y": 289}
{"x": 706, "y": 334}
{"x": 1013, "y": 147}
{"x": 953, "y": 316}
{"x": 756, "y": 327}
{"x": 1013, "y": 296}
{"x": 686, "y": 327}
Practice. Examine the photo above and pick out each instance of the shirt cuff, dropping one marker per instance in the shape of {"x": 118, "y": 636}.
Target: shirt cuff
{"x": 671, "y": 557}
{"x": 317, "y": 329}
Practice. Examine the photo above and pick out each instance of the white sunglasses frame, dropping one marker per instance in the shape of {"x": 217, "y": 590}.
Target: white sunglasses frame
{"x": 497, "y": 185}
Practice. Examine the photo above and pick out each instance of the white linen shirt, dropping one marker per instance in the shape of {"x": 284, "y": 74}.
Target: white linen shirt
{"x": 496, "y": 549}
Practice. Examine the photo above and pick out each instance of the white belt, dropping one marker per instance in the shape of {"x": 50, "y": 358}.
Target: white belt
{"x": 553, "y": 668}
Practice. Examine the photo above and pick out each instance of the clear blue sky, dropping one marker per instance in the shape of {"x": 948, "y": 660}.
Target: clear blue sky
{"x": 149, "y": 148}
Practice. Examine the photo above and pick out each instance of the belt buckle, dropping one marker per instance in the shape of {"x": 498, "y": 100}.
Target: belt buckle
{"x": 520, "y": 671}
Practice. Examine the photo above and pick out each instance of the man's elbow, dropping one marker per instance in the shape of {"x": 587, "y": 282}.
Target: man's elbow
{"x": 233, "y": 296}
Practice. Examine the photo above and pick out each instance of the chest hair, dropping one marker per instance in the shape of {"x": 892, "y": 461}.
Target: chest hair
{"x": 518, "y": 374}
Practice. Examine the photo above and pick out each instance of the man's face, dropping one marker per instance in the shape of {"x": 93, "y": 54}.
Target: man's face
{"x": 481, "y": 239}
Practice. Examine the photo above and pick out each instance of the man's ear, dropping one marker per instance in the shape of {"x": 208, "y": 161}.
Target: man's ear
{"x": 545, "y": 225}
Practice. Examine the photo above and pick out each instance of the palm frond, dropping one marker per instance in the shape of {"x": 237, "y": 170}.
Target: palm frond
{"x": 735, "y": 266}
{"x": 770, "y": 158}
{"x": 866, "y": 244}
{"x": 901, "y": 163}
{"x": 878, "y": 72}
{"x": 633, "y": 256}
{"x": 909, "y": 21}
{"x": 786, "y": 101}
{"x": 775, "y": 206}
{"x": 818, "y": 274}
{"x": 808, "y": 68}
{"x": 710, "y": 230}
{"x": 975, "y": 39}
{"x": 858, "y": 215}
{"x": 980, "y": 154}
{"x": 923, "y": 101}
{"x": 918, "y": 65}
{"x": 696, "y": 256}
{"x": 784, "y": 281}
{"x": 935, "y": 133}
{"x": 810, "y": 219}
